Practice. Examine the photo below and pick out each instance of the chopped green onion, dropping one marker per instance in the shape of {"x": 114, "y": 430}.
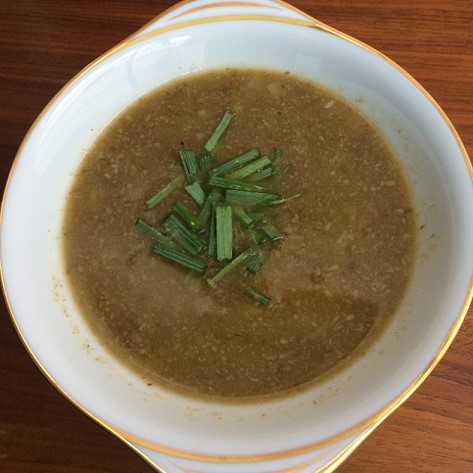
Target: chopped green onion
{"x": 272, "y": 231}
{"x": 257, "y": 217}
{"x": 235, "y": 163}
{"x": 196, "y": 192}
{"x": 244, "y": 218}
{"x": 154, "y": 233}
{"x": 258, "y": 296}
{"x": 187, "y": 217}
{"x": 208, "y": 206}
{"x": 212, "y": 245}
{"x": 224, "y": 230}
{"x": 257, "y": 237}
{"x": 262, "y": 174}
{"x": 249, "y": 198}
{"x": 223, "y": 183}
{"x": 249, "y": 169}
{"x": 254, "y": 265}
{"x": 283, "y": 200}
{"x": 180, "y": 258}
{"x": 230, "y": 267}
{"x": 184, "y": 237}
{"x": 219, "y": 131}
{"x": 189, "y": 163}
{"x": 164, "y": 192}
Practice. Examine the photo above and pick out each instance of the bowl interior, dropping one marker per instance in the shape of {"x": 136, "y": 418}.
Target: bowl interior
{"x": 64, "y": 346}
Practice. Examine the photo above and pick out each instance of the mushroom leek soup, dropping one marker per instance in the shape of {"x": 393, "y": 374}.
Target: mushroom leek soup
{"x": 239, "y": 277}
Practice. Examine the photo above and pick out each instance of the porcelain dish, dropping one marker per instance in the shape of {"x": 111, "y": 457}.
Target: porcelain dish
{"x": 311, "y": 431}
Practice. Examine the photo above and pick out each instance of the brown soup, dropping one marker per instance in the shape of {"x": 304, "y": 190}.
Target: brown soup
{"x": 335, "y": 279}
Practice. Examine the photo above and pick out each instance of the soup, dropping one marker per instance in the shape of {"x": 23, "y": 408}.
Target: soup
{"x": 327, "y": 287}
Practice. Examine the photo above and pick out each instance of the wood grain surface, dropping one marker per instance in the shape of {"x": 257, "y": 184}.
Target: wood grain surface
{"x": 43, "y": 43}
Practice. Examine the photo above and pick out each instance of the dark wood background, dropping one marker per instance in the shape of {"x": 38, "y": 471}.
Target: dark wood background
{"x": 43, "y": 43}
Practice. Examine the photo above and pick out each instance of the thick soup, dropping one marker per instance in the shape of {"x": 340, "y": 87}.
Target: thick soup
{"x": 329, "y": 282}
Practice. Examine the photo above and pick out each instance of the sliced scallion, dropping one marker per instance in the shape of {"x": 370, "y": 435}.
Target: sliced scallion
{"x": 223, "y": 183}
{"x": 196, "y": 192}
{"x": 230, "y": 267}
{"x": 219, "y": 131}
{"x": 224, "y": 231}
{"x": 255, "y": 264}
{"x": 179, "y": 257}
{"x": 259, "y": 297}
{"x": 164, "y": 192}
{"x": 272, "y": 231}
{"x": 235, "y": 163}
{"x": 244, "y": 218}
{"x": 187, "y": 217}
{"x": 283, "y": 200}
{"x": 184, "y": 237}
{"x": 152, "y": 232}
{"x": 189, "y": 163}
{"x": 248, "y": 198}
{"x": 250, "y": 168}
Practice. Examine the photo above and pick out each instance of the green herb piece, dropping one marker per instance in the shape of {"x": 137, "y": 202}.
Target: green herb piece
{"x": 219, "y": 131}
{"x": 257, "y": 217}
{"x": 184, "y": 237}
{"x": 230, "y": 267}
{"x": 224, "y": 231}
{"x": 272, "y": 231}
{"x": 208, "y": 206}
{"x": 235, "y": 163}
{"x": 259, "y": 239}
{"x": 204, "y": 161}
{"x": 283, "y": 200}
{"x": 250, "y": 168}
{"x": 223, "y": 183}
{"x": 187, "y": 217}
{"x": 196, "y": 192}
{"x": 262, "y": 174}
{"x": 164, "y": 192}
{"x": 255, "y": 264}
{"x": 152, "y": 232}
{"x": 244, "y": 218}
{"x": 245, "y": 198}
{"x": 189, "y": 163}
{"x": 258, "y": 296}
{"x": 212, "y": 245}
{"x": 179, "y": 257}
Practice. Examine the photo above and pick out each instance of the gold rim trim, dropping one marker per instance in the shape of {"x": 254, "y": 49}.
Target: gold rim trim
{"x": 373, "y": 421}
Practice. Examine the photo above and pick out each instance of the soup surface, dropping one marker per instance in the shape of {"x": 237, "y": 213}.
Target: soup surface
{"x": 335, "y": 279}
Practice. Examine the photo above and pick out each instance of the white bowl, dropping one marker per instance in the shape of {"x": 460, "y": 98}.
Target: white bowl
{"x": 315, "y": 429}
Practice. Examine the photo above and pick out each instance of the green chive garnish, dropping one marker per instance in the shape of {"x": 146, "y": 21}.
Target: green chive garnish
{"x": 196, "y": 192}
{"x": 224, "y": 231}
{"x": 152, "y": 232}
{"x": 228, "y": 198}
{"x": 187, "y": 217}
{"x": 272, "y": 231}
{"x": 249, "y": 198}
{"x": 212, "y": 245}
{"x": 283, "y": 200}
{"x": 223, "y": 183}
{"x": 254, "y": 265}
{"x": 249, "y": 169}
{"x": 235, "y": 163}
{"x": 258, "y": 296}
{"x": 219, "y": 131}
{"x": 164, "y": 192}
{"x": 184, "y": 237}
{"x": 179, "y": 257}
{"x": 189, "y": 163}
{"x": 244, "y": 218}
{"x": 230, "y": 267}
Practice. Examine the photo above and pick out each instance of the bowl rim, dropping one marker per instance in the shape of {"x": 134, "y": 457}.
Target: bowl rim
{"x": 367, "y": 424}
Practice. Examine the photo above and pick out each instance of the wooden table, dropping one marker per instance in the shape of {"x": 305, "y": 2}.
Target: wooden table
{"x": 43, "y": 43}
